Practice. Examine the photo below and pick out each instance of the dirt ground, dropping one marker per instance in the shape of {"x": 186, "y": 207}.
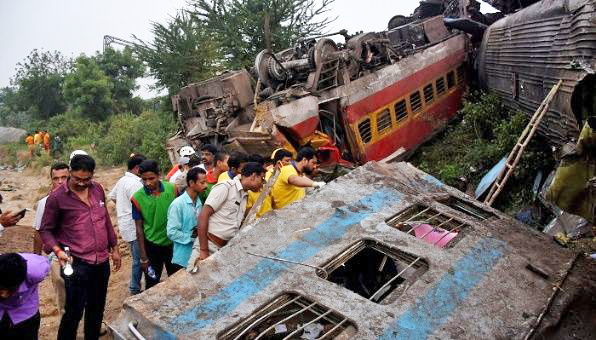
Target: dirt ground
{"x": 29, "y": 186}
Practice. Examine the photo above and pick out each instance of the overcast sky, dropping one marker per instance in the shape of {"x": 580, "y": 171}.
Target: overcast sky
{"x": 73, "y": 27}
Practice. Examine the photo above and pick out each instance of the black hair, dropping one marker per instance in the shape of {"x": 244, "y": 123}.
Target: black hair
{"x": 194, "y": 160}
{"x": 209, "y": 147}
{"x": 13, "y": 270}
{"x": 220, "y": 156}
{"x": 281, "y": 154}
{"x": 149, "y": 165}
{"x": 82, "y": 162}
{"x": 237, "y": 158}
{"x": 58, "y": 166}
{"x": 306, "y": 152}
{"x": 135, "y": 160}
{"x": 252, "y": 168}
{"x": 256, "y": 158}
{"x": 193, "y": 174}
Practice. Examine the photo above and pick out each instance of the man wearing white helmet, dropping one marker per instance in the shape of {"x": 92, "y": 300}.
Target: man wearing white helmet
{"x": 185, "y": 151}
{"x": 77, "y": 152}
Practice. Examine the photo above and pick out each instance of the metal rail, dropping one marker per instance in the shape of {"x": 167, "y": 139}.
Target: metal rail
{"x": 132, "y": 327}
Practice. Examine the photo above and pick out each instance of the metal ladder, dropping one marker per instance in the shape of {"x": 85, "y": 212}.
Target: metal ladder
{"x": 522, "y": 142}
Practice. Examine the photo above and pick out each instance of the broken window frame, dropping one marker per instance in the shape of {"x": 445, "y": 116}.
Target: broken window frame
{"x": 398, "y": 220}
{"x": 468, "y": 208}
{"x": 419, "y": 264}
{"x": 287, "y": 299}
{"x": 365, "y": 130}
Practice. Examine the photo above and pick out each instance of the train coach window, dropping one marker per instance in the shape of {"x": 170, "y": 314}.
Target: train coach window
{"x": 288, "y": 316}
{"x": 429, "y": 225}
{"x": 416, "y": 101}
{"x": 374, "y": 270}
{"x": 461, "y": 72}
{"x": 401, "y": 111}
{"x": 440, "y": 86}
{"x": 468, "y": 208}
{"x": 428, "y": 93}
{"x": 364, "y": 130}
{"x": 450, "y": 79}
{"x": 383, "y": 121}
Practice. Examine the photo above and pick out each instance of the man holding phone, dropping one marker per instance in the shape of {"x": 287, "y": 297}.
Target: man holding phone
{"x": 9, "y": 219}
{"x": 75, "y": 216}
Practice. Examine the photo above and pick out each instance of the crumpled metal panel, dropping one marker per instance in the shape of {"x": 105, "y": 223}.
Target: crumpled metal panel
{"x": 523, "y": 55}
{"x": 494, "y": 283}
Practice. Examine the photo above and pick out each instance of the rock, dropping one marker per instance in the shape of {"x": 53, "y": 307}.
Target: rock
{"x": 10, "y": 135}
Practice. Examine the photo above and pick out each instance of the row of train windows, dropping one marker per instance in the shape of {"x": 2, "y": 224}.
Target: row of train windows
{"x": 429, "y": 93}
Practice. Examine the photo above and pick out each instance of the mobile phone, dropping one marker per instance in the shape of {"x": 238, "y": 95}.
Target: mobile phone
{"x": 21, "y": 213}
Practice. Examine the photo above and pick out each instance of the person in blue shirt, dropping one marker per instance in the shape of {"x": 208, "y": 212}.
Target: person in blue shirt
{"x": 182, "y": 216}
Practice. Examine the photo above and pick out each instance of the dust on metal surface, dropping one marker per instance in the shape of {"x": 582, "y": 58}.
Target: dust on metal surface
{"x": 478, "y": 286}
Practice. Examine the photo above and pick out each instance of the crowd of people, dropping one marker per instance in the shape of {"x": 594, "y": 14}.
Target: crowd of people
{"x": 172, "y": 223}
{"x": 40, "y": 141}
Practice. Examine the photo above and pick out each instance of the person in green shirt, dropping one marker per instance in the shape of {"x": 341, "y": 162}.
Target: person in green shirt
{"x": 150, "y": 211}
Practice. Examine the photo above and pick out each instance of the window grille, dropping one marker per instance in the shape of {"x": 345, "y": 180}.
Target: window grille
{"x": 288, "y": 317}
{"x": 401, "y": 111}
{"x": 383, "y": 121}
{"x": 364, "y": 129}
{"x": 429, "y": 225}
{"x": 428, "y": 93}
{"x": 375, "y": 271}
{"x": 416, "y": 101}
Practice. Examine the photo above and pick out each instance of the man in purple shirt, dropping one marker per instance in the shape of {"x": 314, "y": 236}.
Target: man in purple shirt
{"x": 75, "y": 216}
{"x": 19, "y": 301}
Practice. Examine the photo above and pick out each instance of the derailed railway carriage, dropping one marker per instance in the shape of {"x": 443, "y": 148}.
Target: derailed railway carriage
{"x": 386, "y": 252}
{"x": 366, "y": 99}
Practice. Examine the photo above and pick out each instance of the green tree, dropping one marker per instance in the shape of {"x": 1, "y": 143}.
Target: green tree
{"x": 123, "y": 69}
{"x": 239, "y": 25}
{"x": 38, "y": 80}
{"x": 10, "y": 114}
{"x": 88, "y": 89}
{"x": 182, "y": 52}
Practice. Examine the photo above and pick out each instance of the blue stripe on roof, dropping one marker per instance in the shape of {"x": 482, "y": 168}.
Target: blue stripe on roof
{"x": 433, "y": 309}
{"x": 223, "y": 302}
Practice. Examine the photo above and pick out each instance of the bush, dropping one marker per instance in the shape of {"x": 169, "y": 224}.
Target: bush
{"x": 127, "y": 133}
{"x": 472, "y": 145}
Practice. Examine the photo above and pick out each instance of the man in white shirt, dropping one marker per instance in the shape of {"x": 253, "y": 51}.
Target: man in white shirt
{"x": 58, "y": 174}
{"x": 126, "y": 186}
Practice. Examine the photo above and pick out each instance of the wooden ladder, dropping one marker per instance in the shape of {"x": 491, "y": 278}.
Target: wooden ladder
{"x": 518, "y": 149}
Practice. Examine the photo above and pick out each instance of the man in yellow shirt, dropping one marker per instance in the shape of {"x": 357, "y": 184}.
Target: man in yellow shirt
{"x": 290, "y": 184}
{"x": 280, "y": 158}
{"x": 235, "y": 163}
{"x": 38, "y": 138}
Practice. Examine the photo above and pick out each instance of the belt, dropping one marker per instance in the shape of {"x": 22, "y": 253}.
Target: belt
{"x": 218, "y": 241}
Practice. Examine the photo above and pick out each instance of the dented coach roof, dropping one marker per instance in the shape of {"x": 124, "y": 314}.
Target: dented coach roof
{"x": 490, "y": 280}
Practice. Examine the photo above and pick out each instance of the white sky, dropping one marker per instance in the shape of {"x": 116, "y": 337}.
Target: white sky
{"x": 73, "y": 27}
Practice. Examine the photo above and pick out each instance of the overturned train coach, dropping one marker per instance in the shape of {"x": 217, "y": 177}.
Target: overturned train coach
{"x": 384, "y": 252}
{"x": 524, "y": 54}
{"x": 378, "y": 95}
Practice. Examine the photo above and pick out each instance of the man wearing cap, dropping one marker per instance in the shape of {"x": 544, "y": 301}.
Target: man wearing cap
{"x": 185, "y": 151}
{"x": 178, "y": 178}
{"x": 121, "y": 194}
